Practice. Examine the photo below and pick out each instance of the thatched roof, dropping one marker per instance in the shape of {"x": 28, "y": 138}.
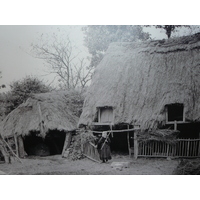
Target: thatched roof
{"x": 139, "y": 79}
{"x": 42, "y": 112}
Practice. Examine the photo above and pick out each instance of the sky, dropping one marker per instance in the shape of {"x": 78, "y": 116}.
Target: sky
{"x": 16, "y": 59}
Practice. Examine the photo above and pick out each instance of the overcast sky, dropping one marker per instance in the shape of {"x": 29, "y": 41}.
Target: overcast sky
{"x": 15, "y": 45}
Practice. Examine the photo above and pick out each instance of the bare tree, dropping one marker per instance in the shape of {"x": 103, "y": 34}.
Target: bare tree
{"x": 63, "y": 59}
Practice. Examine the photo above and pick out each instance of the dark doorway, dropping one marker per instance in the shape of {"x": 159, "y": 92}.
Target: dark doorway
{"x": 119, "y": 142}
{"x": 55, "y": 140}
{"x": 35, "y": 145}
{"x": 52, "y": 144}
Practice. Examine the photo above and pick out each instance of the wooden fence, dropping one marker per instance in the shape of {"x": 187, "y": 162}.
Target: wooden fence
{"x": 90, "y": 151}
{"x": 181, "y": 148}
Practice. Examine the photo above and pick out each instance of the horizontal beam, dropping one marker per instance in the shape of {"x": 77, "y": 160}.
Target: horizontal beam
{"x": 102, "y": 124}
{"x": 177, "y": 122}
{"x": 117, "y": 131}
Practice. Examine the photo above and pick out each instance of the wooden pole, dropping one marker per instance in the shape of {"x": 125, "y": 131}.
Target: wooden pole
{"x": 21, "y": 146}
{"x": 68, "y": 138}
{"x": 188, "y": 147}
{"x": 135, "y": 145}
{"x": 180, "y": 145}
{"x": 175, "y": 125}
{"x": 16, "y": 145}
{"x": 183, "y": 148}
{"x": 118, "y": 131}
{"x": 199, "y": 146}
{"x": 12, "y": 151}
{"x": 194, "y": 148}
{"x": 129, "y": 149}
{"x": 167, "y": 150}
{"x": 91, "y": 158}
{"x": 4, "y": 153}
{"x": 81, "y": 143}
{"x": 41, "y": 121}
{"x": 111, "y": 130}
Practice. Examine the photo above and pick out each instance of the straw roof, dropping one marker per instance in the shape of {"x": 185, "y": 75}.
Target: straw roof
{"x": 42, "y": 112}
{"x": 139, "y": 79}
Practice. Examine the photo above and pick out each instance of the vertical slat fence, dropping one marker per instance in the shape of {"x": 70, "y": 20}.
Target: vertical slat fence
{"x": 181, "y": 148}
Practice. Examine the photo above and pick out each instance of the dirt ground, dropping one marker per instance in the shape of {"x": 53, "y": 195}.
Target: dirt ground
{"x": 56, "y": 165}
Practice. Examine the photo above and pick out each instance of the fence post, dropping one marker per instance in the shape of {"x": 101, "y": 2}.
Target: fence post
{"x": 175, "y": 125}
{"x": 129, "y": 148}
{"x": 135, "y": 145}
{"x": 199, "y": 146}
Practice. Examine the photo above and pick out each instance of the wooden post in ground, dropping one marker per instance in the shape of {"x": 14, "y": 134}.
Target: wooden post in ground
{"x": 21, "y": 146}
{"x": 175, "y": 125}
{"x": 11, "y": 150}
{"x": 81, "y": 142}
{"x": 199, "y": 146}
{"x": 16, "y": 145}
{"x": 4, "y": 153}
{"x": 68, "y": 138}
{"x": 135, "y": 144}
{"x": 128, "y": 140}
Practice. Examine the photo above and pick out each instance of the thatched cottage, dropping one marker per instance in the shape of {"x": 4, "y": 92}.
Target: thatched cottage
{"x": 153, "y": 84}
{"x": 41, "y": 123}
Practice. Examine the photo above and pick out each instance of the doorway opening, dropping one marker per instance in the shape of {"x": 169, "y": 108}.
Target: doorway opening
{"x": 119, "y": 140}
{"x": 52, "y": 144}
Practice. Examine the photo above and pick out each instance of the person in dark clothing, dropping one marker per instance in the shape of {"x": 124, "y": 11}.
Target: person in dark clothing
{"x": 103, "y": 147}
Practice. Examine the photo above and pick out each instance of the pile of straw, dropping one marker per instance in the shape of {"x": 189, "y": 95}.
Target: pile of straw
{"x": 161, "y": 135}
{"x": 188, "y": 167}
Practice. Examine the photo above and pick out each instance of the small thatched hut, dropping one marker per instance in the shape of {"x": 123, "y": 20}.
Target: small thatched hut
{"x": 41, "y": 123}
{"x": 153, "y": 84}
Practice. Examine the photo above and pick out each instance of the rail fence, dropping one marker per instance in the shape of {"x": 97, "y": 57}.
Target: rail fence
{"x": 181, "y": 148}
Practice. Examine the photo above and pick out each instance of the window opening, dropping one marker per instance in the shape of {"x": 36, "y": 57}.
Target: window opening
{"x": 175, "y": 112}
{"x": 105, "y": 115}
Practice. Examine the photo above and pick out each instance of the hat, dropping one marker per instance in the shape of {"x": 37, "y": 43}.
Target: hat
{"x": 104, "y": 134}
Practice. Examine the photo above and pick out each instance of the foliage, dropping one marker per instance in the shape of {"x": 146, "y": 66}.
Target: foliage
{"x": 170, "y": 28}
{"x": 23, "y": 89}
{"x": 59, "y": 55}
{"x": 75, "y": 99}
{"x": 98, "y": 38}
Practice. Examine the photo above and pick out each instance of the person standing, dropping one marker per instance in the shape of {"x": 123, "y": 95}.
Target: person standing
{"x": 103, "y": 147}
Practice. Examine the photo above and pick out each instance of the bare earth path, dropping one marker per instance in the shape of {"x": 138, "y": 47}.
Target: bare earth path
{"x": 60, "y": 166}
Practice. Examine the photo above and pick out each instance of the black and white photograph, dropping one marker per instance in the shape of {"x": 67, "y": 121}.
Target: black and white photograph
{"x": 128, "y": 103}
{"x": 88, "y": 107}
